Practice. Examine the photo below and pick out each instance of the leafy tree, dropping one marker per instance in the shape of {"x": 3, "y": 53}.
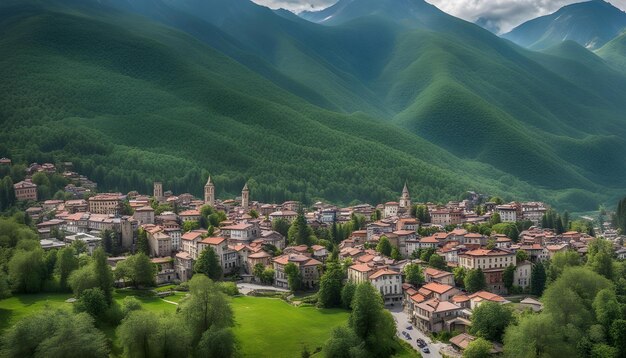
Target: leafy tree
{"x": 342, "y": 341}
{"x": 426, "y": 254}
{"x": 478, "y": 348}
{"x": 174, "y": 338}
{"x": 208, "y": 263}
{"x": 82, "y": 279}
{"x": 138, "y": 269}
{"x": 537, "y": 336}
{"x": 497, "y": 200}
{"x": 371, "y": 322}
{"x": 331, "y": 283}
{"x": 606, "y": 308}
{"x": 257, "y": 270}
{"x": 217, "y": 343}
{"x": 268, "y": 276}
{"x": 300, "y": 233}
{"x": 294, "y": 277}
{"x": 508, "y": 277}
{"x": 490, "y": 319}
{"x": 422, "y": 214}
{"x": 103, "y": 274}
{"x": 206, "y": 307}
{"x": 560, "y": 261}
{"x": 384, "y": 246}
{"x": 618, "y": 336}
{"x": 129, "y": 304}
{"x": 281, "y": 226}
{"x": 91, "y": 301}
{"x": 495, "y": 219}
{"x": 347, "y": 294}
{"x": 537, "y": 279}
{"x": 395, "y": 254}
{"x": 190, "y": 225}
{"x": 508, "y": 229}
{"x": 138, "y": 334}
{"x": 459, "y": 275}
{"x": 254, "y": 214}
{"x": 5, "y": 289}
{"x": 27, "y": 271}
{"x": 437, "y": 261}
{"x": 600, "y": 257}
{"x": 143, "y": 245}
{"x": 413, "y": 274}
{"x": 475, "y": 280}
{"x": 54, "y": 333}
{"x": 66, "y": 263}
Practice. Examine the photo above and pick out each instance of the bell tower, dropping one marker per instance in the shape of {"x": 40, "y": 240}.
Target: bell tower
{"x": 209, "y": 192}
{"x": 245, "y": 197}
{"x": 405, "y": 199}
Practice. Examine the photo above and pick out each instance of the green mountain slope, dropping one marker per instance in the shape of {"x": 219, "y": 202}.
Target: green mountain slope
{"x": 591, "y": 24}
{"x": 134, "y": 103}
{"x": 615, "y": 53}
{"x": 134, "y": 92}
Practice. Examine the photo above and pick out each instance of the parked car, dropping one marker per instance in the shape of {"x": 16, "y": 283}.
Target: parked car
{"x": 425, "y": 350}
{"x": 409, "y": 328}
{"x": 420, "y": 343}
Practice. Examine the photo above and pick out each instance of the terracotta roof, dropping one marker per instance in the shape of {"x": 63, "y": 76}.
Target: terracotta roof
{"x": 418, "y": 298}
{"x": 189, "y": 213}
{"x": 436, "y": 273}
{"x": 361, "y": 268}
{"x": 383, "y": 272}
{"x": 460, "y": 298}
{"x": 259, "y": 255}
{"x": 437, "y": 287}
{"x": 484, "y": 295}
{"x": 213, "y": 240}
{"x": 240, "y": 226}
{"x": 429, "y": 240}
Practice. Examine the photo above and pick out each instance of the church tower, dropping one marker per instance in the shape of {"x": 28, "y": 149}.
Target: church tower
{"x": 405, "y": 199}
{"x": 245, "y": 197}
{"x": 209, "y": 192}
{"x": 158, "y": 191}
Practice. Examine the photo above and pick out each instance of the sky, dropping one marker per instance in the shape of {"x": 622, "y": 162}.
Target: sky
{"x": 500, "y": 14}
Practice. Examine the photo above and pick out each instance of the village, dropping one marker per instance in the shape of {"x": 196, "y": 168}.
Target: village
{"x": 379, "y": 244}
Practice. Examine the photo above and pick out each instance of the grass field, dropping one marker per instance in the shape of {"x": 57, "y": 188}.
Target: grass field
{"x": 264, "y": 327}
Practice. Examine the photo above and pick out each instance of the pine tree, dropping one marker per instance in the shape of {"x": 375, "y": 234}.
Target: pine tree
{"x": 103, "y": 274}
{"x": 538, "y": 279}
{"x": 208, "y": 264}
{"x": 143, "y": 245}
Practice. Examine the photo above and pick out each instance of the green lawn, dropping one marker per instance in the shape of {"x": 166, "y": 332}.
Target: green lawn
{"x": 273, "y": 328}
{"x": 265, "y": 327}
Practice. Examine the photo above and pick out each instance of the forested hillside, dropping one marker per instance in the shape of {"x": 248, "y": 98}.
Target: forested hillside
{"x": 172, "y": 90}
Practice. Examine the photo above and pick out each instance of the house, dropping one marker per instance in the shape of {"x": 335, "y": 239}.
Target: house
{"x": 271, "y": 237}
{"x": 25, "y": 190}
{"x": 433, "y": 314}
{"x": 91, "y": 242}
{"x": 183, "y": 266}
{"x": 439, "y": 291}
{"x": 491, "y": 262}
{"x": 408, "y": 224}
{"x": 531, "y": 303}
{"x": 378, "y": 228}
{"x": 508, "y": 213}
{"x": 553, "y": 249}
{"x": 621, "y": 254}
{"x": 160, "y": 243}
{"x": 144, "y": 215}
{"x": 76, "y": 206}
{"x": 440, "y": 217}
{"x": 522, "y": 274}
{"x": 429, "y": 242}
{"x": 389, "y": 284}
{"x": 165, "y": 270}
{"x": 189, "y": 241}
{"x": 434, "y": 275}
{"x": 402, "y": 237}
{"x": 482, "y": 296}
{"x": 189, "y": 215}
{"x": 175, "y": 233}
{"x": 259, "y": 257}
{"x": 227, "y": 257}
{"x": 359, "y": 273}
{"x": 391, "y": 209}
{"x": 309, "y": 269}
{"x": 50, "y": 205}
{"x": 108, "y": 204}
{"x": 287, "y": 215}
{"x": 240, "y": 233}
{"x": 319, "y": 252}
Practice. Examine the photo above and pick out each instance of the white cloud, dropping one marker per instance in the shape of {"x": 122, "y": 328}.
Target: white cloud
{"x": 504, "y": 14}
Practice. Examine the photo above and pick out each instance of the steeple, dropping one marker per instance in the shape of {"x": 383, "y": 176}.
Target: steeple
{"x": 405, "y": 199}
{"x": 245, "y": 197}
{"x": 209, "y": 192}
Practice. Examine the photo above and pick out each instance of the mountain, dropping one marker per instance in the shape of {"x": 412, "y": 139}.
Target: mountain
{"x": 488, "y": 24}
{"x": 591, "y": 24}
{"x": 614, "y": 53}
{"x": 134, "y": 91}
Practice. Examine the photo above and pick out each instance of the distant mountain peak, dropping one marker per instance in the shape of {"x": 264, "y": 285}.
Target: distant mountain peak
{"x": 591, "y": 24}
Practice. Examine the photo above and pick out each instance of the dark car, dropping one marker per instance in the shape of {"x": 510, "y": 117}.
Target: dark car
{"x": 420, "y": 343}
{"x": 409, "y": 327}
{"x": 425, "y": 350}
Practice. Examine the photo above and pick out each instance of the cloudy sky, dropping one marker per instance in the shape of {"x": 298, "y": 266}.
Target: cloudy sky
{"x": 504, "y": 14}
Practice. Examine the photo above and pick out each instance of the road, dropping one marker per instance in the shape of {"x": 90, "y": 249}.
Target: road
{"x": 245, "y": 288}
{"x": 402, "y": 322}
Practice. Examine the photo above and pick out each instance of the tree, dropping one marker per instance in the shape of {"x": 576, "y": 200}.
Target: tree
{"x": 537, "y": 279}
{"x": 209, "y": 264}
{"x": 459, "y": 276}
{"x": 395, "y": 254}
{"x": 437, "y": 262}
{"x": 490, "y": 319}
{"x": 254, "y": 214}
{"x": 217, "y": 343}
{"x": 495, "y": 219}
{"x": 422, "y": 214}
{"x": 521, "y": 255}
{"x": 206, "y": 307}
{"x": 508, "y": 277}
{"x": 54, "y": 333}
{"x": 281, "y": 226}
{"x": 426, "y": 254}
{"x": 5, "y": 289}
{"x": 143, "y": 245}
{"x": 413, "y": 274}
{"x": 103, "y": 274}
{"x": 82, "y": 279}
{"x": 174, "y": 338}
{"x": 606, "y": 308}
{"x": 347, "y": 294}
{"x": 475, "y": 280}
{"x": 66, "y": 263}
{"x": 478, "y": 348}
{"x": 371, "y": 322}
{"x": 617, "y": 333}
{"x": 268, "y": 276}
{"x": 342, "y": 341}
{"x": 138, "y": 269}
{"x": 129, "y": 304}
{"x": 537, "y": 336}
{"x": 138, "y": 334}
{"x": 27, "y": 271}
{"x": 300, "y": 233}
{"x": 294, "y": 277}
{"x": 257, "y": 270}
{"x": 600, "y": 257}
{"x": 91, "y": 301}
{"x": 331, "y": 282}
{"x": 384, "y": 246}
{"x": 190, "y": 225}
{"x": 560, "y": 261}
